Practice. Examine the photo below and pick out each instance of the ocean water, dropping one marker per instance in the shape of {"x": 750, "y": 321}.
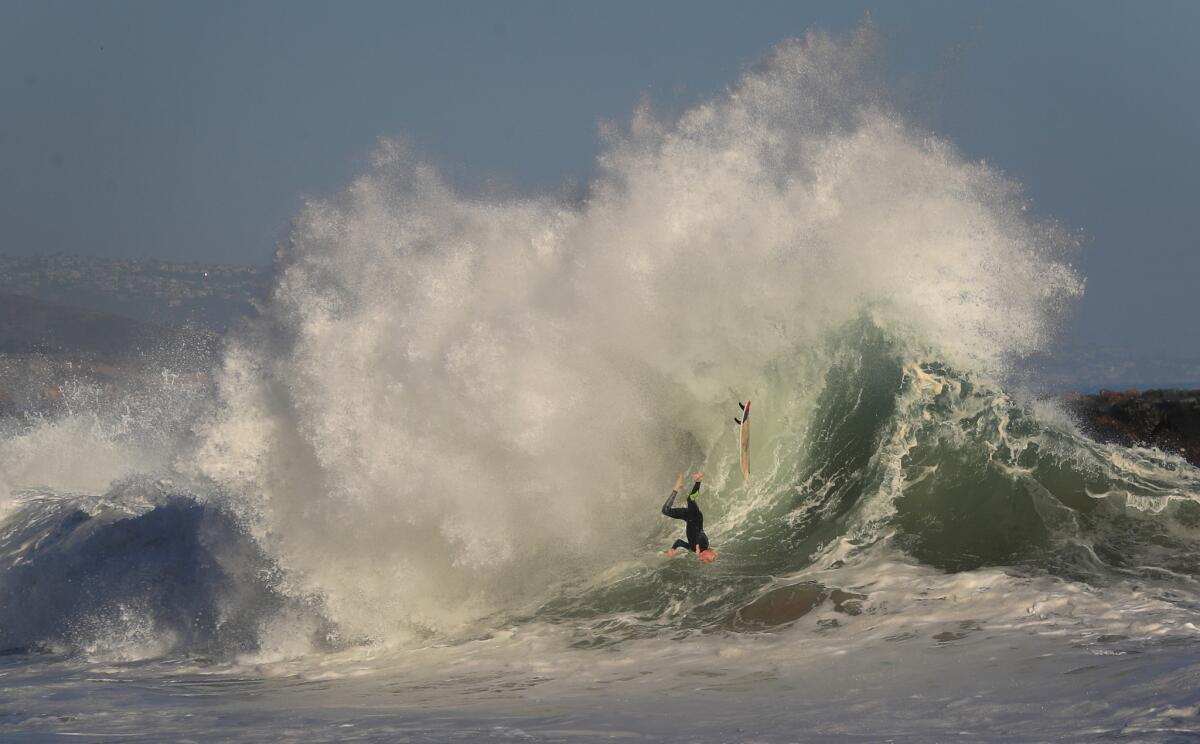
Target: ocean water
{"x": 420, "y": 502}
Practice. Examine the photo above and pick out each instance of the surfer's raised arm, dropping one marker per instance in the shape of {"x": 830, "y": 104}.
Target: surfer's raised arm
{"x": 669, "y": 509}
{"x": 681, "y": 512}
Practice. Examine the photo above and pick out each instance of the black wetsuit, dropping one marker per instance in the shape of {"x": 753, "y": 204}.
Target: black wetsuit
{"x": 690, "y": 514}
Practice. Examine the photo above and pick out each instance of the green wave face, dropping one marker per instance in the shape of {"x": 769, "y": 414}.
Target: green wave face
{"x": 993, "y": 481}
{"x": 915, "y": 458}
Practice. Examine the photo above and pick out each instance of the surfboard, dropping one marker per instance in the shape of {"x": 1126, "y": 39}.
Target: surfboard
{"x": 744, "y": 438}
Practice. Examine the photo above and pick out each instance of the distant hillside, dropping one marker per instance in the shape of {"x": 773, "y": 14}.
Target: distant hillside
{"x": 208, "y": 295}
{"x": 28, "y": 325}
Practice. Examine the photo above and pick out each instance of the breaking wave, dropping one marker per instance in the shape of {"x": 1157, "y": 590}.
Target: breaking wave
{"x": 459, "y": 411}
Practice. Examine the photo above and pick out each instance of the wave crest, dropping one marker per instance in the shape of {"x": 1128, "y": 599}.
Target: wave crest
{"x": 453, "y": 401}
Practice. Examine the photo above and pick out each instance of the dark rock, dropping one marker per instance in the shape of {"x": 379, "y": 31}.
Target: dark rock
{"x": 779, "y": 607}
{"x": 1166, "y": 419}
{"x": 786, "y": 604}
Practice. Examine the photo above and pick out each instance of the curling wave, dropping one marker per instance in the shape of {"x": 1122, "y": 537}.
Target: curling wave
{"x": 461, "y": 411}
{"x": 454, "y": 402}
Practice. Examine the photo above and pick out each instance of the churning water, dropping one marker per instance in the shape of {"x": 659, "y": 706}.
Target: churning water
{"x": 421, "y": 500}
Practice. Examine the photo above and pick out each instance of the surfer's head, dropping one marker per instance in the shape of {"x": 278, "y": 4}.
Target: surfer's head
{"x": 707, "y": 555}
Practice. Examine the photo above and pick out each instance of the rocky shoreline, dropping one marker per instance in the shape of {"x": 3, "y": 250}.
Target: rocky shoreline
{"x": 1166, "y": 419}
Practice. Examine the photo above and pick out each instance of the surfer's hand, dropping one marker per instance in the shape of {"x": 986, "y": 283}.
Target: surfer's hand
{"x": 678, "y": 482}
{"x": 698, "y": 476}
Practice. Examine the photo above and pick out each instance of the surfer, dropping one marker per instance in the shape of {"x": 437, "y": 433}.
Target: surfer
{"x": 696, "y": 541}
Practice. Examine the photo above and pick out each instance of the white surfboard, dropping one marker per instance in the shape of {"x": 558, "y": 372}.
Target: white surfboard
{"x": 744, "y": 438}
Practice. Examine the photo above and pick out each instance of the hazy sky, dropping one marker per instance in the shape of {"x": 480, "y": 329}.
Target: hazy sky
{"x": 193, "y": 130}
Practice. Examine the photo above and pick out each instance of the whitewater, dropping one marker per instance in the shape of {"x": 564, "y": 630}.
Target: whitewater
{"x": 418, "y": 500}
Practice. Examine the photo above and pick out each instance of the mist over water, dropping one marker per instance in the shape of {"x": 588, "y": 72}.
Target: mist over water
{"x": 456, "y": 401}
{"x": 439, "y": 452}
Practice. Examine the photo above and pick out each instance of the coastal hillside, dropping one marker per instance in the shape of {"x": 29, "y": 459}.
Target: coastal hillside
{"x": 209, "y": 295}
{"x": 47, "y": 349}
{"x": 28, "y": 325}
